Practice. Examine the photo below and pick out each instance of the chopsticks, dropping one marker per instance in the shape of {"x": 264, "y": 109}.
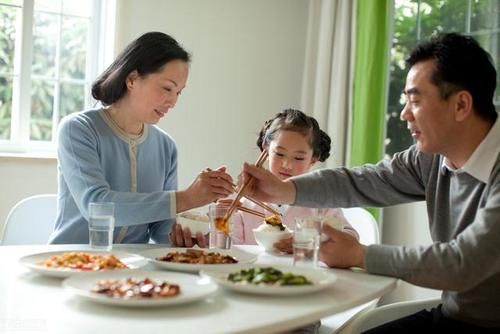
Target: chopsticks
{"x": 262, "y": 158}
{"x": 253, "y": 212}
{"x": 262, "y": 205}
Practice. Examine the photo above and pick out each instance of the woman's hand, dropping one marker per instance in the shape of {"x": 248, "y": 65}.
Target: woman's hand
{"x": 267, "y": 187}
{"x": 184, "y": 238}
{"x": 208, "y": 186}
{"x": 342, "y": 250}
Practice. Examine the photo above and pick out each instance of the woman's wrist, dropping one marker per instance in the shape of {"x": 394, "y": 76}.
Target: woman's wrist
{"x": 182, "y": 201}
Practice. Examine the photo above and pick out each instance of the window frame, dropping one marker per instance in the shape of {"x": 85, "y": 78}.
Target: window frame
{"x": 101, "y": 35}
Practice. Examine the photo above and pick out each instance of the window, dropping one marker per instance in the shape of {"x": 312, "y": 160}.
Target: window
{"x": 49, "y": 58}
{"x": 415, "y": 20}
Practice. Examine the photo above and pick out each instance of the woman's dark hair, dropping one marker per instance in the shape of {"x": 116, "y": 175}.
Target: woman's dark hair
{"x": 296, "y": 120}
{"x": 147, "y": 54}
{"x": 460, "y": 64}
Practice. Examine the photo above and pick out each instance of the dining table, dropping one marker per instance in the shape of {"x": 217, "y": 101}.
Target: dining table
{"x": 31, "y": 302}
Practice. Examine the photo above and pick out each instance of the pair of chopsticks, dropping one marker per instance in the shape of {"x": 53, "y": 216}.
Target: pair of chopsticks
{"x": 260, "y": 161}
{"x": 262, "y": 205}
{"x": 253, "y": 212}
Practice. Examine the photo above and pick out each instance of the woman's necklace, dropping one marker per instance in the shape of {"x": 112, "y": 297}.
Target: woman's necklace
{"x": 110, "y": 116}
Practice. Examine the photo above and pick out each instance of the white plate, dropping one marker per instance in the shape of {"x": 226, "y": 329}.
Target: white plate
{"x": 192, "y": 287}
{"x": 34, "y": 262}
{"x": 321, "y": 280}
{"x": 240, "y": 255}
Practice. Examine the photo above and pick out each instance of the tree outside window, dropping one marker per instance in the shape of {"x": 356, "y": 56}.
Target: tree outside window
{"x": 61, "y": 65}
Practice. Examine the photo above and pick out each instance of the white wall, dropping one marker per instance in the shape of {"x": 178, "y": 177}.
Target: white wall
{"x": 248, "y": 59}
{"x": 23, "y": 177}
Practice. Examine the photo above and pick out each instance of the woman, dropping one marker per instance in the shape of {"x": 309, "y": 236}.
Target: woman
{"x": 116, "y": 154}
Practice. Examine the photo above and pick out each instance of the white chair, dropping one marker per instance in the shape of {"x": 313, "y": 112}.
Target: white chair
{"x": 363, "y": 222}
{"x": 366, "y": 226}
{"x": 375, "y": 317}
{"x": 30, "y": 221}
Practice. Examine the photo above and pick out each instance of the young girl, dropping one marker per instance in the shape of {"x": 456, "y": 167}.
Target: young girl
{"x": 295, "y": 143}
{"x": 115, "y": 153}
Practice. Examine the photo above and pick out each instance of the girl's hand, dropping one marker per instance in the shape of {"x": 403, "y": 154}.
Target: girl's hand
{"x": 267, "y": 187}
{"x": 285, "y": 245}
{"x": 208, "y": 186}
{"x": 183, "y": 238}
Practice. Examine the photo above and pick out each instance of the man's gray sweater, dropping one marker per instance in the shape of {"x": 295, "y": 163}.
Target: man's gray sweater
{"x": 464, "y": 218}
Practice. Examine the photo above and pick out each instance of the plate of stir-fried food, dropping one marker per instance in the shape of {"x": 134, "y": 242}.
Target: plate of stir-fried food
{"x": 67, "y": 263}
{"x": 196, "y": 259}
{"x": 272, "y": 280}
{"x": 137, "y": 288}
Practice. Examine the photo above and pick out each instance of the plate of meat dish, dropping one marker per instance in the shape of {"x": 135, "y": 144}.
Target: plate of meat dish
{"x": 196, "y": 259}
{"x": 136, "y": 288}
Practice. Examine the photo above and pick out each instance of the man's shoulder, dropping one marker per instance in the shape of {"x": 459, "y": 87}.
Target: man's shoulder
{"x": 414, "y": 157}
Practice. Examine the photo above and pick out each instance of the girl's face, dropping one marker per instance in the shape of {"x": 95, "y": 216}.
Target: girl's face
{"x": 153, "y": 95}
{"x": 290, "y": 154}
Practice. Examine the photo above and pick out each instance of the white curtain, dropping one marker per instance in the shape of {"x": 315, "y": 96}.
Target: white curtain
{"x": 326, "y": 89}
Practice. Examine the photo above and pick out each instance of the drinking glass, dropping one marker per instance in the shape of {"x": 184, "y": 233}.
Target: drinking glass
{"x": 101, "y": 225}
{"x": 220, "y": 230}
{"x": 306, "y": 241}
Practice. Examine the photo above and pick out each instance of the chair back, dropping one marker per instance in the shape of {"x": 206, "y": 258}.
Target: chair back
{"x": 364, "y": 223}
{"x": 30, "y": 221}
{"x": 390, "y": 312}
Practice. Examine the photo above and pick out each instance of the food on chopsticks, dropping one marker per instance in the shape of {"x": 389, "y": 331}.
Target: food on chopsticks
{"x": 272, "y": 224}
{"x": 195, "y": 256}
{"x": 84, "y": 261}
{"x": 130, "y": 288}
{"x": 267, "y": 276}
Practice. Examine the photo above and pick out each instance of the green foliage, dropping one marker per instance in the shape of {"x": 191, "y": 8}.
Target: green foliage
{"x": 58, "y": 69}
{"x": 7, "y": 33}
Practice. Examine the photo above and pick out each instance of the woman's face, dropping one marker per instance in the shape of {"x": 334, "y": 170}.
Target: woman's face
{"x": 153, "y": 95}
{"x": 290, "y": 154}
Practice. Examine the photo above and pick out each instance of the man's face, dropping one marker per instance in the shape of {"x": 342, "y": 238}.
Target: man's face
{"x": 429, "y": 117}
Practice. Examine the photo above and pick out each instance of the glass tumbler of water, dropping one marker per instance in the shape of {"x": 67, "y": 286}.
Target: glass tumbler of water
{"x": 220, "y": 229}
{"x": 101, "y": 225}
{"x": 306, "y": 241}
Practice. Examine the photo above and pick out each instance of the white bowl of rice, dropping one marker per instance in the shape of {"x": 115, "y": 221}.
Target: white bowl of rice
{"x": 195, "y": 221}
{"x": 267, "y": 235}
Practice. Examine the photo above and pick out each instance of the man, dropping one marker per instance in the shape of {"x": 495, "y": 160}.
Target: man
{"x": 454, "y": 166}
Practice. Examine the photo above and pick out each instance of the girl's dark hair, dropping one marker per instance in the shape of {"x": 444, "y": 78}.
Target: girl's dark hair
{"x": 147, "y": 54}
{"x": 460, "y": 63}
{"x": 296, "y": 120}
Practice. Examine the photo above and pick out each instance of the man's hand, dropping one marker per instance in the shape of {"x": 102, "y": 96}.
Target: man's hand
{"x": 267, "y": 187}
{"x": 342, "y": 250}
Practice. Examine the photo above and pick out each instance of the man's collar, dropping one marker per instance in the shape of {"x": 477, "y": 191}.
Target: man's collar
{"x": 481, "y": 162}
